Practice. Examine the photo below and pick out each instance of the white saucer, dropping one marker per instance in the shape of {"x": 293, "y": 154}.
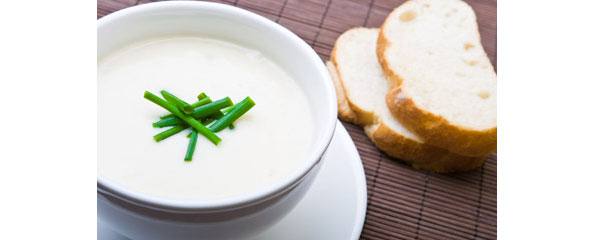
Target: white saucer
{"x": 333, "y": 208}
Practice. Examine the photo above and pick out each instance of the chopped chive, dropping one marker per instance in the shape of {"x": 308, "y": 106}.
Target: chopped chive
{"x": 191, "y": 146}
{"x": 201, "y": 96}
{"x": 207, "y": 121}
{"x": 227, "y": 109}
{"x": 188, "y": 109}
{"x": 189, "y": 120}
{"x": 217, "y": 115}
{"x": 211, "y": 124}
{"x": 192, "y": 107}
{"x": 179, "y": 103}
{"x": 238, "y": 110}
{"x": 169, "y": 132}
{"x": 211, "y": 108}
{"x": 220, "y": 113}
{"x": 168, "y": 122}
{"x": 166, "y": 116}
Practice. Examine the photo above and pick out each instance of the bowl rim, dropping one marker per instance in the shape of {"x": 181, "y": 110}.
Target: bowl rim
{"x": 260, "y": 195}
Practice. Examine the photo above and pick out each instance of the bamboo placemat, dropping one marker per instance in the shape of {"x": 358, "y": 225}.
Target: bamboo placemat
{"x": 402, "y": 203}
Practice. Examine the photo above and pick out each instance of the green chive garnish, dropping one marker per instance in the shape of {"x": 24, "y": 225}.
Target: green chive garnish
{"x": 166, "y": 116}
{"x": 189, "y": 120}
{"x": 211, "y": 108}
{"x": 179, "y": 103}
{"x": 192, "y": 106}
{"x": 203, "y": 117}
{"x": 169, "y": 132}
{"x": 168, "y": 122}
{"x": 207, "y": 121}
{"x": 191, "y": 146}
{"x": 188, "y": 109}
{"x": 227, "y": 109}
{"x": 238, "y": 110}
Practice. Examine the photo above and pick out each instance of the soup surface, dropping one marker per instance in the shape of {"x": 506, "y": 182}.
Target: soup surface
{"x": 268, "y": 142}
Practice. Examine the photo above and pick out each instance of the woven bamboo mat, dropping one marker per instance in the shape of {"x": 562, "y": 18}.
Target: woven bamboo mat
{"x": 402, "y": 203}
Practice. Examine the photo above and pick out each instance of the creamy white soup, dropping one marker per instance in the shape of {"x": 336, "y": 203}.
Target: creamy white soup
{"x": 268, "y": 142}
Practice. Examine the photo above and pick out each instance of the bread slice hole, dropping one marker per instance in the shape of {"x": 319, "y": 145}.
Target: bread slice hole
{"x": 470, "y": 62}
{"x": 407, "y": 16}
{"x": 468, "y": 46}
{"x": 451, "y": 12}
{"x": 483, "y": 94}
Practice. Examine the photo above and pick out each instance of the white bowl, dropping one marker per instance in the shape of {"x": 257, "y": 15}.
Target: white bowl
{"x": 128, "y": 212}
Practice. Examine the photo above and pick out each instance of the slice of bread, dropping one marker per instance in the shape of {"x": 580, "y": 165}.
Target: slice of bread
{"x": 444, "y": 84}
{"x": 361, "y": 88}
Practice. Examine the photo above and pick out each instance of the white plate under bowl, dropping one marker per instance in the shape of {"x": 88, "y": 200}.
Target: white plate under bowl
{"x": 333, "y": 208}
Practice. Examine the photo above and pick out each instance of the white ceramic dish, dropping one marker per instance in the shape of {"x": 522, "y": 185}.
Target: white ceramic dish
{"x": 142, "y": 216}
{"x": 333, "y": 208}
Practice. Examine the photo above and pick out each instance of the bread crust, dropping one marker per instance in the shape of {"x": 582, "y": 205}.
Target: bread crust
{"x": 381, "y": 45}
{"x": 360, "y": 116}
{"x": 345, "y": 112}
{"x": 437, "y": 131}
{"x": 432, "y": 128}
{"x": 420, "y": 155}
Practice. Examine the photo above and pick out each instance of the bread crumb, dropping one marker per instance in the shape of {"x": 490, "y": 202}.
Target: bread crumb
{"x": 469, "y": 45}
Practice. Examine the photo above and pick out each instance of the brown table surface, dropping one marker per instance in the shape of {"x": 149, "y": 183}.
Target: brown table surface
{"x": 402, "y": 203}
